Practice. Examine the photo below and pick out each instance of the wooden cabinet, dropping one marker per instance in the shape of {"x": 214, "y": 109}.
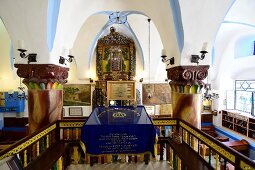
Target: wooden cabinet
{"x": 239, "y": 123}
{"x": 251, "y": 130}
{"x": 206, "y": 118}
{"x": 227, "y": 121}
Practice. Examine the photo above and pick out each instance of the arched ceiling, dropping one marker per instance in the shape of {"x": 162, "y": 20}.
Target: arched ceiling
{"x": 238, "y": 23}
{"x": 79, "y": 22}
{"x": 242, "y": 11}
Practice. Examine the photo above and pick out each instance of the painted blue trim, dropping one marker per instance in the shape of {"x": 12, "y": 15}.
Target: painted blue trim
{"x": 213, "y": 55}
{"x": 234, "y": 136}
{"x": 176, "y": 12}
{"x": 136, "y": 41}
{"x": 206, "y": 124}
{"x": 122, "y": 12}
{"x": 11, "y": 55}
{"x": 240, "y": 23}
{"x": 254, "y": 48}
{"x": 228, "y": 134}
{"x": 105, "y": 27}
{"x": 108, "y": 24}
{"x": 230, "y": 6}
{"x": 52, "y": 20}
{"x": 94, "y": 43}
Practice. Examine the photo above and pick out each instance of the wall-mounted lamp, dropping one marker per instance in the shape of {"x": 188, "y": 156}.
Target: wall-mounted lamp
{"x": 209, "y": 95}
{"x": 62, "y": 59}
{"x": 196, "y": 58}
{"x": 164, "y": 60}
{"x": 91, "y": 80}
{"x": 21, "y": 48}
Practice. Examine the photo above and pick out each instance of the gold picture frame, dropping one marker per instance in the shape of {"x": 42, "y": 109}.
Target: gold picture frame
{"x": 121, "y": 90}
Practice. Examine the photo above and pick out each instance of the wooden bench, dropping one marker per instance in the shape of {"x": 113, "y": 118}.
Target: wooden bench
{"x": 241, "y": 146}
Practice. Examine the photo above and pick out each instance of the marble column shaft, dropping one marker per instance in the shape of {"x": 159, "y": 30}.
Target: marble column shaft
{"x": 186, "y": 84}
{"x": 45, "y": 92}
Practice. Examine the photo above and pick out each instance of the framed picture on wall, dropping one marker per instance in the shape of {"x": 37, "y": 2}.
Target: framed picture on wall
{"x": 77, "y": 95}
{"x": 75, "y": 111}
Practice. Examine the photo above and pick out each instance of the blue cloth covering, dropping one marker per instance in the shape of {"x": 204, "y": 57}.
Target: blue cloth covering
{"x": 118, "y": 130}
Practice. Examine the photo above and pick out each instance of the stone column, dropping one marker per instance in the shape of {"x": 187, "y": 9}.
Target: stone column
{"x": 186, "y": 84}
{"x": 45, "y": 92}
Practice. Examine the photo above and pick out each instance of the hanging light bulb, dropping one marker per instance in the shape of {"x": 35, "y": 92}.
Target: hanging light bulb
{"x": 149, "y": 53}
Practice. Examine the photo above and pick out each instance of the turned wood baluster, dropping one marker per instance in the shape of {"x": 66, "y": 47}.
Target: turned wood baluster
{"x": 47, "y": 141}
{"x": 217, "y": 161}
{"x": 179, "y": 163}
{"x": 25, "y": 158}
{"x": 37, "y": 148}
{"x": 76, "y": 133}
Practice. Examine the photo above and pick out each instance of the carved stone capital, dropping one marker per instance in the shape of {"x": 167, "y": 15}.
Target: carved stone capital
{"x": 42, "y": 73}
{"x": 187, "y": 75}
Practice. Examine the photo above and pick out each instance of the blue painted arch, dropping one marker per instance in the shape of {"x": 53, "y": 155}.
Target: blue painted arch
{"x": 52, "y": 19}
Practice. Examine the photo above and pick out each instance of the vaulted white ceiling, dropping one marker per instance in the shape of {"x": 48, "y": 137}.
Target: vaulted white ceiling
{"x": 181, "y": 27}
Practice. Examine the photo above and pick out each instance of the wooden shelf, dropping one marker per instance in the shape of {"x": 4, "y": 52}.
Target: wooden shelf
{"x": 239, "y": 123}
{"x": 227, "y": 121}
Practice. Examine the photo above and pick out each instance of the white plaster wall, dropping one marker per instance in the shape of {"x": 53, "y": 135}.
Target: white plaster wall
{"x": 9, "y": 81}
{"x": 227, "y": 68}
{"x": 201, "y": 20}
{"x": 84, "y": 42}
{"x": 8, "y": 78}
{"x": 242, "y": 11}
{"x": 27, "y": 20}
{"x": 73, "y": 79}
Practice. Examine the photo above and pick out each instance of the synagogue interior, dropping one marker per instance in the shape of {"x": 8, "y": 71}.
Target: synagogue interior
{"x": 128, "y": 84}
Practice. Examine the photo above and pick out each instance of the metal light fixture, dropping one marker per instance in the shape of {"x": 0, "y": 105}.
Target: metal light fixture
{"x": 164, "y": 60}
{"x": 196, "y": 58}
{"x": 63, "y": 59}
{"x": 149, "y": 95}
{"x": 31, "y": 56}
{"x": 208, "y": 95}
{"x": 21, "y": 93}
{"x": 118, "y": 18}
{"x": 91, "y": 80}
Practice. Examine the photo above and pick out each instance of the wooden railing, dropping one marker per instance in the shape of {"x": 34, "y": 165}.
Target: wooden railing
{"x": 210, "y": 150}
{"x": 29, "y": 148}
{"x": 213, "y": 151}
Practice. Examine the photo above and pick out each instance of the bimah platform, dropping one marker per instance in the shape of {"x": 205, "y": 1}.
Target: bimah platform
{"x": 118, "y": 130}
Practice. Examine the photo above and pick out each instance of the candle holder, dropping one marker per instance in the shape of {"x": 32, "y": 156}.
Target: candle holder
{"x": 62, "y": 59}
{"x": 196, "y": 58}
{"x": 31, "y": 57}
{"x": 164, "y": 60}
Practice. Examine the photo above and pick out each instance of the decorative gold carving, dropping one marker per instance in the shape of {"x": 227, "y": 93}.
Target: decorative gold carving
{"x": 116, "y": 57}
{"x": 29, "y": 142}
{"x": 210, "y": 143}
{"x": 164, "y": 122}
{"x": 244, "y": 165}
{"x": 70, "y": 124}
{"x": 119, "y": 114}
{"x": 114, "y": 38}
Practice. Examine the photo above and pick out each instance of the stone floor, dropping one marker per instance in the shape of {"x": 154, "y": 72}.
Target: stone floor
{"x": 153, "y": 165}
